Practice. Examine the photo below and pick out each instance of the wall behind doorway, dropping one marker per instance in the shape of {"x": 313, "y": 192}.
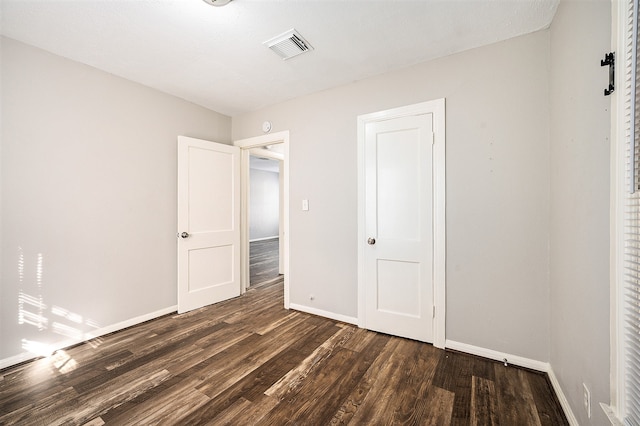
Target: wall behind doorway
{"x": 264, "y": 210}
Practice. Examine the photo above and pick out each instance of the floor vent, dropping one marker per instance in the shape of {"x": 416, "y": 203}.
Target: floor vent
{"x": 288, "y": 44}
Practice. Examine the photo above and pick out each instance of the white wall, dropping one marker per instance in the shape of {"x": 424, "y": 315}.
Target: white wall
{"x": 88, "y": 195}
{"x": 264, "y": 209}
{"x": 580, "y": 126}
{"x": 497, "y": 189}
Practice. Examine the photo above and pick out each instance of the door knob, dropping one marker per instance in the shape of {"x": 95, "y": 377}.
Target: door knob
{"x": 371, "y": 241}
{"x": 184, "y": 235}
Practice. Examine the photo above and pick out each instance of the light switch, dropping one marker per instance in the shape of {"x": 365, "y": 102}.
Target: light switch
{"x": 305, "y": 205}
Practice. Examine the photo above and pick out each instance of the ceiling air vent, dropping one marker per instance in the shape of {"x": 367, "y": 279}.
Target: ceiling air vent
{"x": 288, "y": 44}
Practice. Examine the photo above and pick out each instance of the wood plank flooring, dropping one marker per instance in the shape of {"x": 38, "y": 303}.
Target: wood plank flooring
{"x": 248, "y": 361}
{"x": 263, "y": 261}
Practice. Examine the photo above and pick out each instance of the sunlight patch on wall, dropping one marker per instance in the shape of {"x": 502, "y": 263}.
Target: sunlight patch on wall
{"x": 31, "y": 308}
{"x": 64, "y": 313}
{"x": 34, "y": 316}
{"x": 67, "y": 331}
{"x": 32, "y": 311}
{"x": 37, "y": 348}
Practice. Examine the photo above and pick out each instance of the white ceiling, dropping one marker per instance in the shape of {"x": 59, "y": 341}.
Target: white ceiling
{"x": 214, "y": 56}
{"x": 264, "y": 164}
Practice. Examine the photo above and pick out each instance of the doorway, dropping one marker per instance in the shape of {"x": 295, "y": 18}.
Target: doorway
{"x": 256, "y": 145}
{"x": 265, "y": 213}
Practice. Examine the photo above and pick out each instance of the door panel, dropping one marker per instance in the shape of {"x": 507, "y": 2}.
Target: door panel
{"x": 396, "y": 280}
{"x": 210, "y": 267}
{"x": 209, "y": 212}
{"x": 209, "y": 184}
{"x": 398, "y": 167}
{"x": 398, "y": 203}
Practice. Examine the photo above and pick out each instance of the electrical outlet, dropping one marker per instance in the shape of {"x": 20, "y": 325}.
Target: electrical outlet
{"x": 587, "y": 400}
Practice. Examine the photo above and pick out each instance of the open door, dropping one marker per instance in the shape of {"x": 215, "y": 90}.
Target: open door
{"x": 208, "y": 223}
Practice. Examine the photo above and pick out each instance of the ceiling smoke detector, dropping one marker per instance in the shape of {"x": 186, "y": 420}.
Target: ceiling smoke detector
{"x": 217, "y": 2}
{"x": 288, "y": 44}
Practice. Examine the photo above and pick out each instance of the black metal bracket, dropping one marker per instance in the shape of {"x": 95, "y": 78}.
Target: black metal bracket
{"x": 610, "y": 59}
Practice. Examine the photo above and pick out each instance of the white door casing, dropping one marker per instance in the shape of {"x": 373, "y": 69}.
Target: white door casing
{"x": 281, "y": 249}
{"x": 401, "y": 222}
{"x": 246, "y": 145}
{"x": 208, "y": 223}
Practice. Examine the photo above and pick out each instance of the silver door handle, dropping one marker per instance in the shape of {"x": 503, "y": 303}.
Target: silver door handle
{"x": 184, "y": 235}
{"x": 371, "y": 241}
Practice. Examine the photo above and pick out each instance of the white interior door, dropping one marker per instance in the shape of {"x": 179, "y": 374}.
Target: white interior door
{"x": 398, "y": 257}
{"x": 208, "y": 223}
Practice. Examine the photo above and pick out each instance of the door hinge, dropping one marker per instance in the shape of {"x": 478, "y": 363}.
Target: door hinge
{"x": 434, "y": 311}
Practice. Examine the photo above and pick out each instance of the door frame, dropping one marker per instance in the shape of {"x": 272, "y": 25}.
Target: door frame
{"x": 245, "y": 146}
{"x": 437, "y": 108}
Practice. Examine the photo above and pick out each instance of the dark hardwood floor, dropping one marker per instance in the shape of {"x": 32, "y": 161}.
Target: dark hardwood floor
{"x": 263, "y": 261}
{"x": 248, "y": 361}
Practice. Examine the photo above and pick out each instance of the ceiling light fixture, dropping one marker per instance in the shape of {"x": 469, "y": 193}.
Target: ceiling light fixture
{"x": 217, "y": 2}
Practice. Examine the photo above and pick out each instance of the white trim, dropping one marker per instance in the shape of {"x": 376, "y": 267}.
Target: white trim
{"x": 437, "y": 108}
{"x": 264, "y": 239}
{"x": 16, "y": 359}
{"x": 362, "y": 233}
{"x": 322, "y": 313}
{"x": 618, "y": 189}
{"x": 263, "y": 140}
{"x": 439, "y": 231}
{"x": 498, "y": 356}
{"x": 246, "y": 145}
{"x": 611, "y": 415}
{"x": 27, "y": 356}
{"x": 281, "y": 208}
{"x": 564, "y": 402}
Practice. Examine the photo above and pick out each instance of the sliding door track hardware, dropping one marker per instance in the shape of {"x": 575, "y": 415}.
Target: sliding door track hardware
{"x": 610, "y": 59}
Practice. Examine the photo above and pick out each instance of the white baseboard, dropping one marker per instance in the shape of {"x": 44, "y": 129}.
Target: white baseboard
{"x": 611, "y": 414}
{"x": 16, "y": 359}
{"x": 564, "y": 402}
{"x": 27, "y": 356}
{"x": 326, "y": 314}
{"x": 498, "y": 356}
{"x": 264, "y": 239}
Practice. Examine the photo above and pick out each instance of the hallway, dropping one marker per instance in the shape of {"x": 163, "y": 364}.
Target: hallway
{"x": 263, "y": 261}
